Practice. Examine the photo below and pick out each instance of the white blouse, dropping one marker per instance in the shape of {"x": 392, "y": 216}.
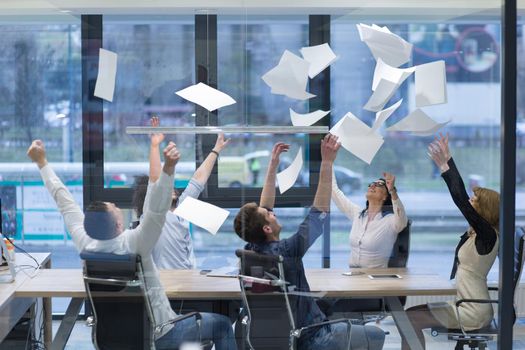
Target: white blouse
{"x": 371, "y": 241}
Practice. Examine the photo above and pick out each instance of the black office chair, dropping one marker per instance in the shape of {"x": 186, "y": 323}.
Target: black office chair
{"x": 374, "y": 309}
{"x": 122, "y": 314}
{"x": 477, "y": 339}
{"x": 268, "y": 317}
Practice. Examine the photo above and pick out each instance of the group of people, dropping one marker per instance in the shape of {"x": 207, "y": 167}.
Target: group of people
{"x": 163, "y": 240}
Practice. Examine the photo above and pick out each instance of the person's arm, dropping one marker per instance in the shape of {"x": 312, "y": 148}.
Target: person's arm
{"x": 345, "y": 205}
{"x": 485, "y": 234}
{"x": 70, "y": 210}
{"x": 318, "y": 220}
{"x": 154, "y": 152}
{"x": 268, "y": 191}
{"x": 400, "y": 217}
{"x": 145, "y": 236}
{"x": 329, "y": 148}
{"x": 202, "y": 174}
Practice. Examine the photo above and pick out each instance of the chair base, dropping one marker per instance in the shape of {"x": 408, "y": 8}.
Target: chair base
{"x": 476, "y": 339}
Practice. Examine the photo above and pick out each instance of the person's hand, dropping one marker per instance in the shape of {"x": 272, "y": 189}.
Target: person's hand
{"x": 390, "y": 181}
{"x": 439, "y": 152}
{"x": 156, "y": 138}
{"x": 37, "y": 153}
{"x": 171, "y": 155}
{"x": 278, "y": 148}
{"x": 329, "y": 148}
{"x": 220, "y": 143}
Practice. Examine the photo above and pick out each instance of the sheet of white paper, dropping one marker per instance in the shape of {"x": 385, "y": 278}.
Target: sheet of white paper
{"x": 419, "y": 123}
{"x": 357, "y": 137}
{"x": 383, "y": 115}
{"x": 383, "y": 44}
{"x": 206, "y": 96}
{"x": 393, "y": 74}
{"x": 319, "y": 57}
{"x": 383, "y": 93}
{"x": 107, "y": 70}
{"x": 306, "y": 119}
{"x": 202, "y": 214}
{"x": 287, "y": 178}
{"x": 431, "y": 84}
{"x": 289, "y": 77}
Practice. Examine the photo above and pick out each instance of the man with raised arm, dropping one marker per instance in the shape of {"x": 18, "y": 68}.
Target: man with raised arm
{"x": 100, "y": 229}
{"x": 258, "y": 225}
{"x": 174, "y": 249}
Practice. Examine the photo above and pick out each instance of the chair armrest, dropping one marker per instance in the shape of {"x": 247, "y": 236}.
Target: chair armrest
{"x": 297, "y": 332}
{"x": 477, "y": 301}
{"x": 160, "y": 327}
{"x": 494, "y": 288}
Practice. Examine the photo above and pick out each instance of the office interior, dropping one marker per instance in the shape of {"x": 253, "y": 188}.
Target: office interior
{"x": 50, "y": 55}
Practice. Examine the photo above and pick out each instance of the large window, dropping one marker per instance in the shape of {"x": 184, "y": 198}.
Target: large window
{"x": 248, "y": 47}
{"x": 39, "y": 99}
{"x": 471, "y": 53}
{"x": 155, "y": 59}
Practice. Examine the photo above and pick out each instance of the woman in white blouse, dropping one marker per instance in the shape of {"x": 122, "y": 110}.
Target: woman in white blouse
{"x": 374, "y": 228}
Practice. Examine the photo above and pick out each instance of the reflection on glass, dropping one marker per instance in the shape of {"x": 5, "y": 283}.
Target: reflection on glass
{"x": 155, "y": 59}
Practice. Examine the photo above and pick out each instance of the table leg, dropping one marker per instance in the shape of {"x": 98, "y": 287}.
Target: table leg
{"x": 67, "y": 324}
{"x": 403, "y": 323}
{"x": 48, "y": 314}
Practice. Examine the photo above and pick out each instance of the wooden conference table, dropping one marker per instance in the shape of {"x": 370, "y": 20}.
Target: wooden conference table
{"x": 191, "y": 285}
{"x": 11, "y": 308}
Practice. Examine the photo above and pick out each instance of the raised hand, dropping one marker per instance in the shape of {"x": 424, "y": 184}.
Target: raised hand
{"x": 37, "y": 153}
{"x": 171, "y": 157}
{"x": 156, "y": 138}
{"x": 439, "y": 152}
{"x": 221, "y": 143}
{"x": 329, "y": 148}
{"x": 278, "y": 148}
{"x": 390, "y": 181}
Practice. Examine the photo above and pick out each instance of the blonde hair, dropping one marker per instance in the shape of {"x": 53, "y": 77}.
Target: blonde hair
{"x": 488, "y": 205}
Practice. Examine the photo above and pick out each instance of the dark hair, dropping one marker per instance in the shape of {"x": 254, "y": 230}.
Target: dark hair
{"x": 249, "y": 223}
{"x": 386, "y": 208}
{"x": 99, "y": 223}
{"x": 140, "y": 187}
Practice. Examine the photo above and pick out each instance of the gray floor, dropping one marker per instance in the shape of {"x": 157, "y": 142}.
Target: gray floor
{"x": 80, "y": 338}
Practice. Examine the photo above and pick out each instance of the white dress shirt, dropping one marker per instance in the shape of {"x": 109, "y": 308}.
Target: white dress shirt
{"x": 371, "y": 241}
{"x": 140, "y": 240}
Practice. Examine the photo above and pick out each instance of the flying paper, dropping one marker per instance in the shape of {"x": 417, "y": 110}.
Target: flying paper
{"x": 395, "y": 75}
{"x": 206, "y": 96}
{"x": 419, "y": 123}
{"x": 107, "y": 70}
{"x": 391, "y": 48}
{"x": 202, "y": 214}
{"x": 357, "y": 137}
{"x": 319, "y": 57}
{"x": 306, "y": 119}
{"x": 287, "y": 178}
{"x": 289, "y": 77}
{"x": 431, "y": 84}
{"x": 383, "y": 115}
{"x": 383, "y": 93}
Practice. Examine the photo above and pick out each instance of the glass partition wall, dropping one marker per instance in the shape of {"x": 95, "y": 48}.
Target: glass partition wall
{"x": 163, "y": 51}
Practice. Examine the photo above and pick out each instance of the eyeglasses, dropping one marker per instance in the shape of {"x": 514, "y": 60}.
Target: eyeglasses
{"x": 377, "y": 184}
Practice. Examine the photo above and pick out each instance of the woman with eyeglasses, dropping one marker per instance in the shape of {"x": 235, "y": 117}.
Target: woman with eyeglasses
{"x": 374, "y": 228}
{"x": 475, "y": 253}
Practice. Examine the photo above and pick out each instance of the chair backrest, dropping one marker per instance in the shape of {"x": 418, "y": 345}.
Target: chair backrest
{"x": 519, "y": 256}
{"x": 267, "y": 311}
{"x": 401, "y": 248}
{"x": 121, "y": 309}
